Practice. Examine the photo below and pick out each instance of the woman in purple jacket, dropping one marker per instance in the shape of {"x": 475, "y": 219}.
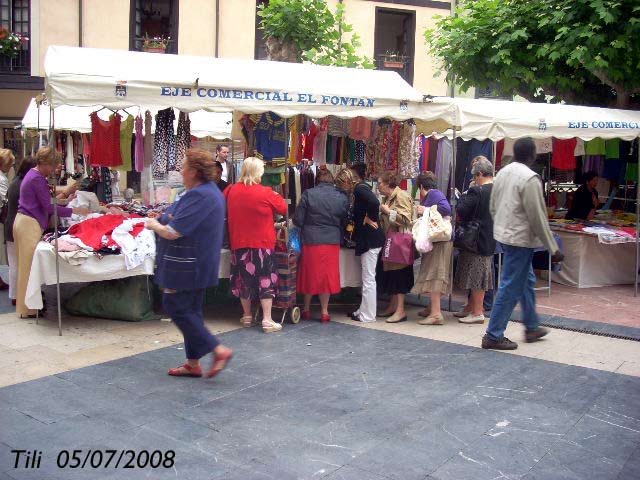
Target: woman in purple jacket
{"x": 435, "y": 267}
{"x": 34, "y": 209}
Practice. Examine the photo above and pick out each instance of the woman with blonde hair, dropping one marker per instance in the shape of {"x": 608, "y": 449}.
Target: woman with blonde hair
{"x": 250, "y": 212}
{"x": 34, "y": 210}
{"x": 6, "y": 162}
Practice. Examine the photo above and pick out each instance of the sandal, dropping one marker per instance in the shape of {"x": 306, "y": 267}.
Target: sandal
{"x": 216, "y": 368}
{"x": 325, "y": 318}
{"x": 269, "y": 326}
{"x": 437, "y": 319}
{"x": 186, "y": 370}
{"x": 246, "y": 320}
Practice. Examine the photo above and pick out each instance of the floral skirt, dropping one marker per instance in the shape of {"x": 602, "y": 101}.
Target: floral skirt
{"x": 253, "y": 273}
{"x": 474, "y": 272}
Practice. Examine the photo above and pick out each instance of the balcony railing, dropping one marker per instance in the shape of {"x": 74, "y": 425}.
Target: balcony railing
{"x": 20, "y": 65}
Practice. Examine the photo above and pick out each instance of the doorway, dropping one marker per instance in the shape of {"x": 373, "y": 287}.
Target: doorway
{"x": 394, "y": 44}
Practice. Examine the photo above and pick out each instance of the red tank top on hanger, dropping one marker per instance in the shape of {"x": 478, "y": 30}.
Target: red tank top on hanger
{"x": 105, "y": 141}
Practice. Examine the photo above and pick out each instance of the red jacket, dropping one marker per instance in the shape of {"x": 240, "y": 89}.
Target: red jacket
{"x": 250, "y": 215}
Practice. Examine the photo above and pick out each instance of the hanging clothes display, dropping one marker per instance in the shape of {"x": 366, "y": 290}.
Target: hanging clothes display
{"x": 139, "y": 145}
{"x": 183, "y": 141}
{"x": 271, "y": 136}
{"x": 407, "y": 156}
{"x": 563, "y": 157}
{"x": 69, "y": 159}
{"x": 394, "y": 147}
{"x": 360, "y": 128}
{"x": 320, "y": 143}
{"x": 126, "y": 136}
{"x": 148, "y": 139}
{"x": 164, "y": 147}
{"x": 338, "y": 127}
{"x": 105, "y": 141}
{"x": 444, "y": 163}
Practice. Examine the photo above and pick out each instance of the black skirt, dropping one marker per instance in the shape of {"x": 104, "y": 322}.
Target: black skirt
{"x": 392, "y": 282}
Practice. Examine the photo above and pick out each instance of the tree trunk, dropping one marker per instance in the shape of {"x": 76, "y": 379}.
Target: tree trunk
{"x": 281, "y": 51}
{"x": 622, "y": 99}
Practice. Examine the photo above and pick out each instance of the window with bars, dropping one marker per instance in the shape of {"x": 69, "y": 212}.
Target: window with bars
{"x": 14, "y": 16}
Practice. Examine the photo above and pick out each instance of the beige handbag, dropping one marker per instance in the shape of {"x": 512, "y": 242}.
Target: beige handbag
{"x": 439, "y": 227}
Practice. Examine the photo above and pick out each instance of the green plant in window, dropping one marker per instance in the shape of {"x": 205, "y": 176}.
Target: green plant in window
{"x": 155, "y": 42}
{"x": 11, "y": 43}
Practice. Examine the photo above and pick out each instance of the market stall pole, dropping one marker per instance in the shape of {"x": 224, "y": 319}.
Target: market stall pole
{"x": 55, "y": 224}
{"x": 635, "y": 291}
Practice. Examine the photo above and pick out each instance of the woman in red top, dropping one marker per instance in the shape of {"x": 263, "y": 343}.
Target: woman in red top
{"x": 251, "y": 207}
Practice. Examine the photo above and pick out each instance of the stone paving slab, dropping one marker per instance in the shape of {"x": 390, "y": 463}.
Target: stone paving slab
{"x": 334, "y": 401}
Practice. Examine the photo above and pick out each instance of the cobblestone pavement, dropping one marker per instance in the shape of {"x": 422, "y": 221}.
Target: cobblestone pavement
{"x": 340, "y": 401}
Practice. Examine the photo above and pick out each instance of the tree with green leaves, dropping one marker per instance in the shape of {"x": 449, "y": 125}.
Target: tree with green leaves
{"x": 306, "y": 30}
{"x": 578, "y": 51}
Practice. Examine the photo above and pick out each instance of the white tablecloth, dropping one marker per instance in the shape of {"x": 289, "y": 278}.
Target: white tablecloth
{"x": 589, "y": 263}
{"x": 109, "y": 267}
{"x": 350, "y": 271}
{"x": 94, "y": 269}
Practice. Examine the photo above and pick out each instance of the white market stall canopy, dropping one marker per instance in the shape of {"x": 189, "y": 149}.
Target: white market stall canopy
{"x": 118, "y": 79}
{"x": 497, "y": 119}
{"x": 203, "y": 124}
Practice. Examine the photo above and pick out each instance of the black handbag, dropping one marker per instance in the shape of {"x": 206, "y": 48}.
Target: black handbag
{"x": 467, "y": 234}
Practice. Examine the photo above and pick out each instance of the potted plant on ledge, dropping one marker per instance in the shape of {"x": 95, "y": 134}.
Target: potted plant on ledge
{"x": 393, "y": 60}
{"x": 11, "y": 43}
{"x": 155, "y": 44}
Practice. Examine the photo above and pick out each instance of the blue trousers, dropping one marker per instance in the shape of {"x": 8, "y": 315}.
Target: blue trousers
{"x": 185, "y": 309}
{"x": 517, "y": 285}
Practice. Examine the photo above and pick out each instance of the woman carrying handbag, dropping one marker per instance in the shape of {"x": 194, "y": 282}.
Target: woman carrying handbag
{"x": 474, "y": 237}
{"x": 435, "y": 266}
{"x": 395, "y": 269}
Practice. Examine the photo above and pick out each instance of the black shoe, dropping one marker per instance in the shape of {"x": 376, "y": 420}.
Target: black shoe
{"x": 353, "y": 316}
{"x": 503, "y": 344}
{"x": 535, "y": 335}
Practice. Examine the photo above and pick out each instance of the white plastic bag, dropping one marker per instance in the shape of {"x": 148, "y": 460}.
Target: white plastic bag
{"x": 420, "y": 232}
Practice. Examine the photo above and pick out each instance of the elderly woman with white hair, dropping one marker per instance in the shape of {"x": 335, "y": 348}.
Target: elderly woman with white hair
{"x": 475, "y": 268}
{"x": 251, "y": 208}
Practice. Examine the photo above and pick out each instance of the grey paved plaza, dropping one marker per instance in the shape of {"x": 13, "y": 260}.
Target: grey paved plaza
{"x": 333, "y": 401}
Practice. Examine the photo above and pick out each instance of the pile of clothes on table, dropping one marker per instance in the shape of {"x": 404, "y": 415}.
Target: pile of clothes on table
{"x": 109, "y": 230}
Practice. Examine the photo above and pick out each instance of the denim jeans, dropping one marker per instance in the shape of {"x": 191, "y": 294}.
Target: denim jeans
{"x": 517, "y": 285}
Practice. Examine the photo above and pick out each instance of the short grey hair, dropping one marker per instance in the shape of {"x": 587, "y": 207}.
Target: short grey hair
{"x": 482, "y": 166}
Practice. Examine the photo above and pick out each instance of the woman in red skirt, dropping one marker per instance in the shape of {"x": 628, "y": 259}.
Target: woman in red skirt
{"x": 320, "y": 215}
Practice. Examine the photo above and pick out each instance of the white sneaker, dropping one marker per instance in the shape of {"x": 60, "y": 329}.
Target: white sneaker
{"x": 469, "y": 319}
